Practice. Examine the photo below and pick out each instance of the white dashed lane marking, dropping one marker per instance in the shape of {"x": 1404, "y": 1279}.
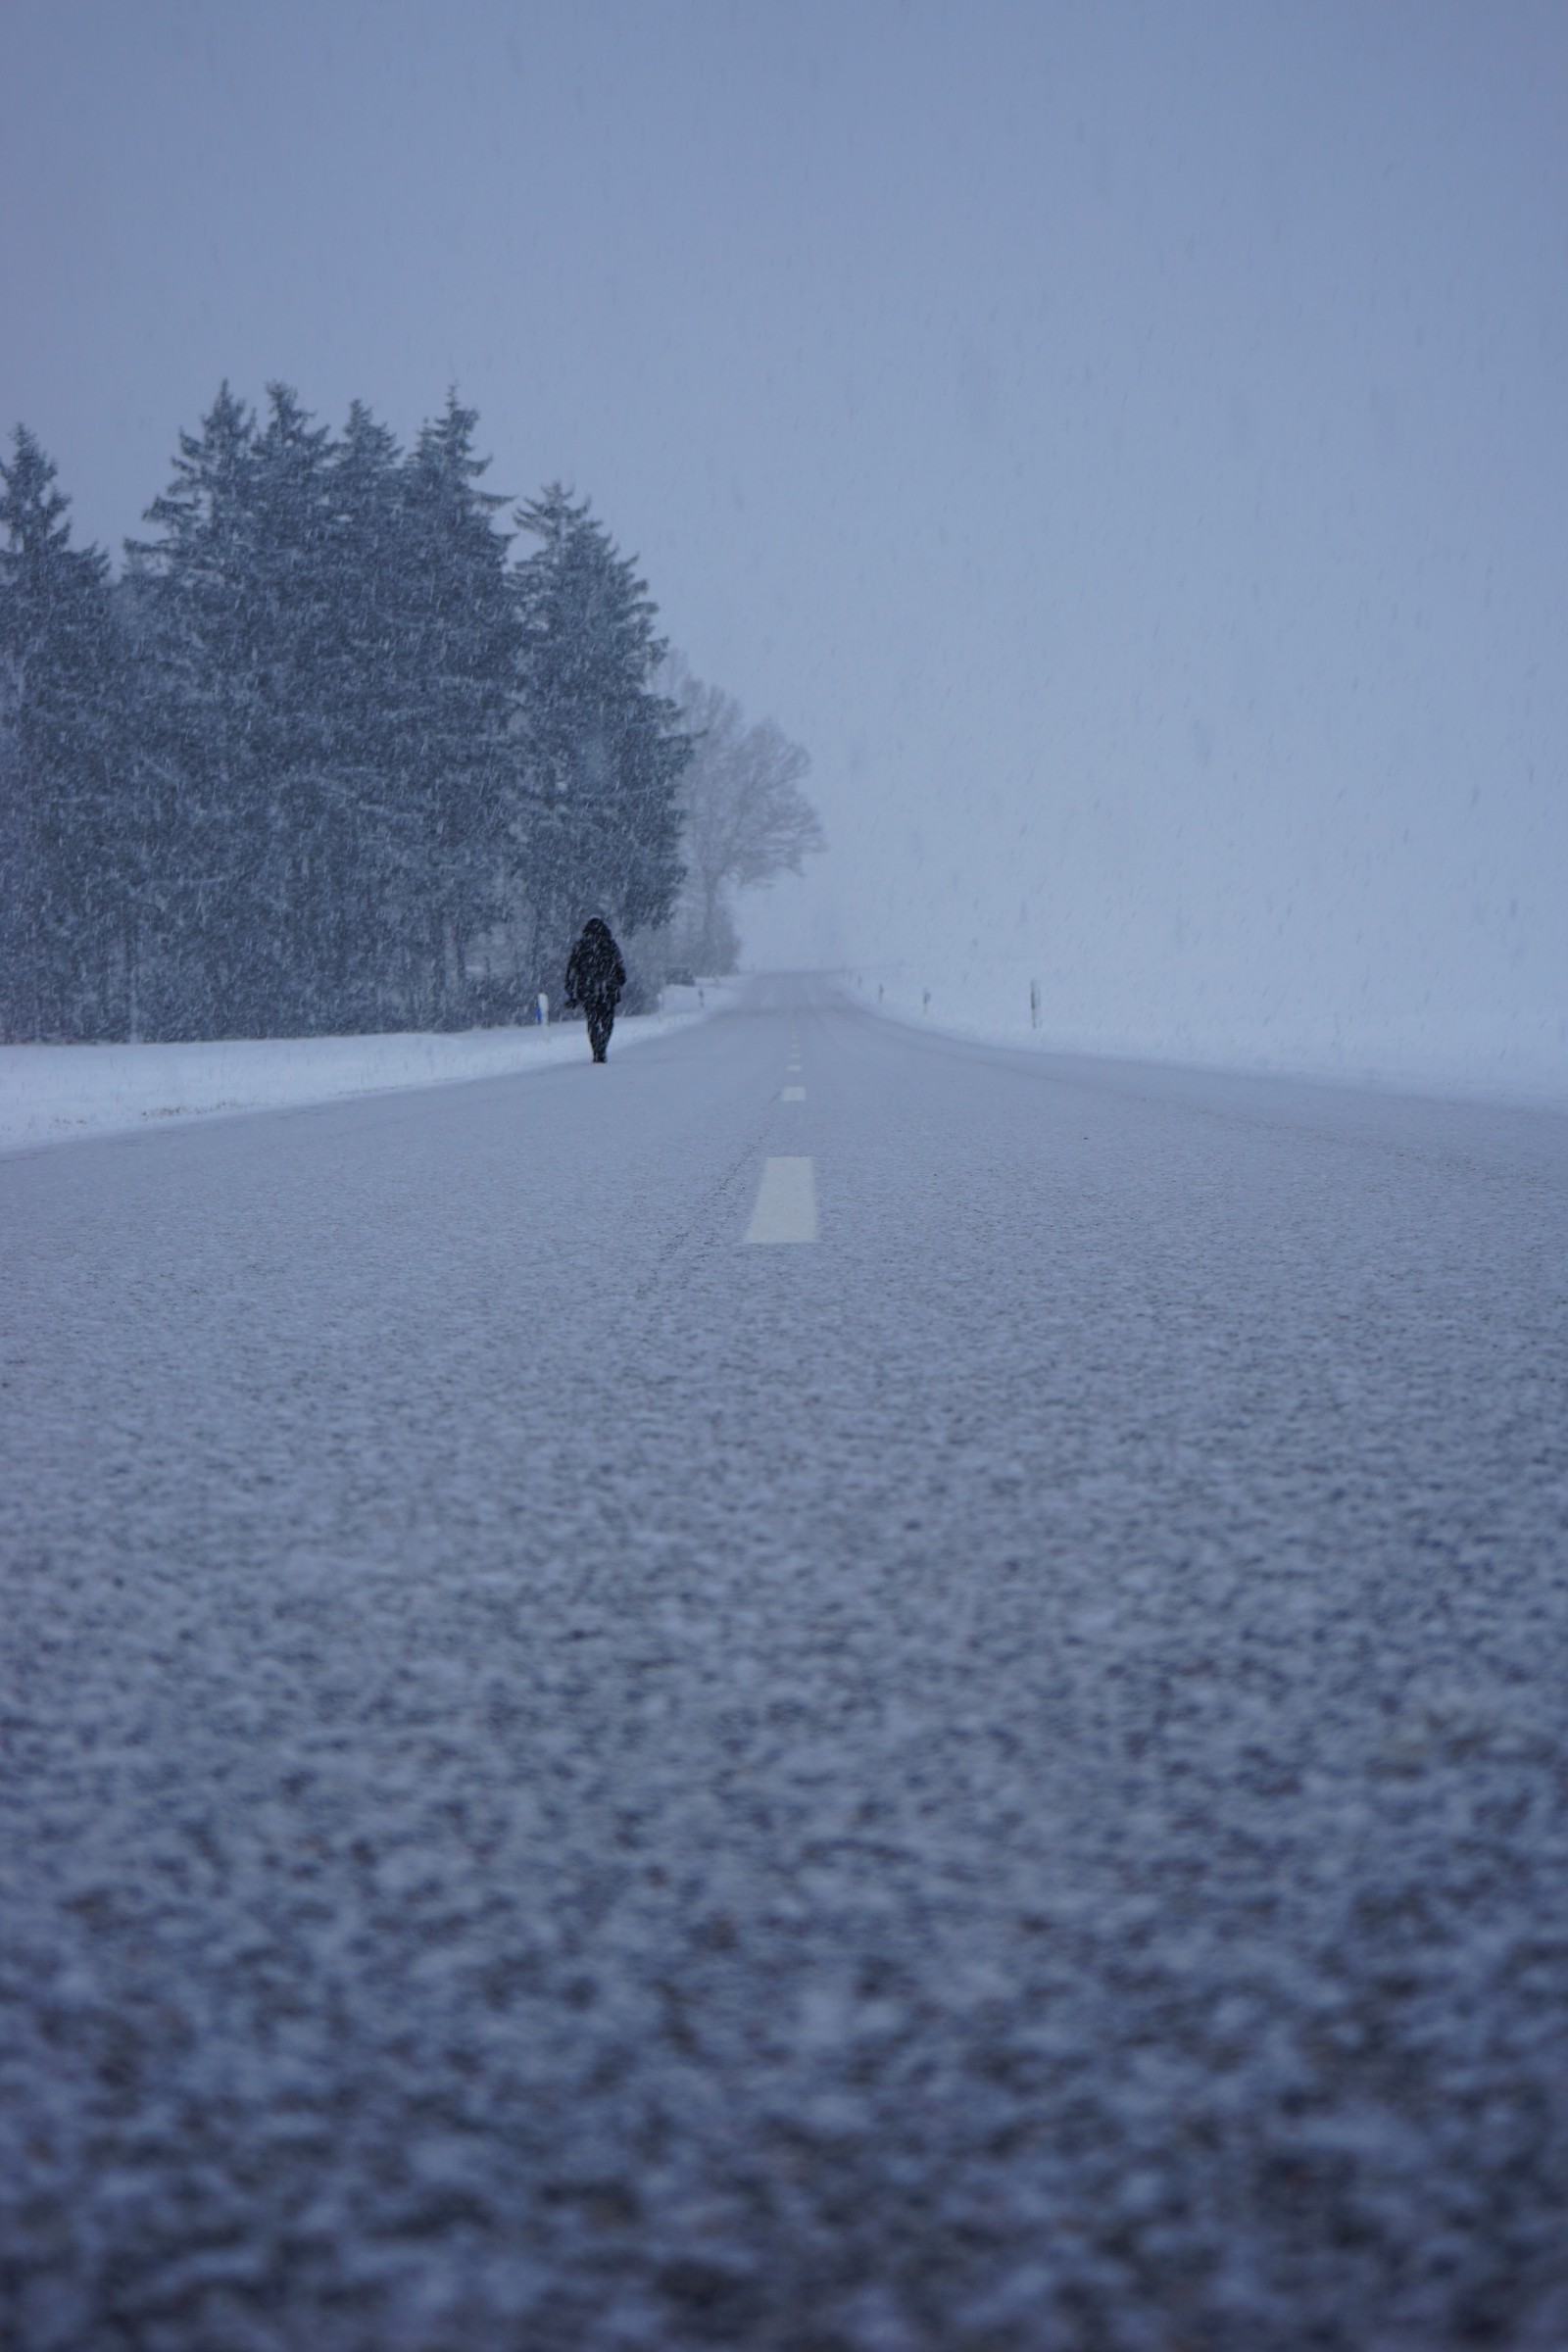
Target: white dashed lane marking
{"x": 795, "y": 1093}
{"x": 786, "y": 1203}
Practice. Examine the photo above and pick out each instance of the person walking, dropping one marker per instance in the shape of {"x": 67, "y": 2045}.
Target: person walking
{"x": 595, "y": 978}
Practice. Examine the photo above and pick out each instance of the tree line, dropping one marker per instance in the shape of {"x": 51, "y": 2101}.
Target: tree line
{"x": 329, "y": 755}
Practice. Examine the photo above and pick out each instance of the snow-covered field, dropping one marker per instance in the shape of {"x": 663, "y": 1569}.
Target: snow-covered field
{"x": 1013, "y": 1000}
{"x": 51, "y": 1093}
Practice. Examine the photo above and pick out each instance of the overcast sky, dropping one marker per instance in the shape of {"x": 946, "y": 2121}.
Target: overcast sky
{"x": 1127, "y": 444}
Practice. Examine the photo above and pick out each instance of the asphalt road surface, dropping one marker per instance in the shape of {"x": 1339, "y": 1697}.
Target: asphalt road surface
{"x": 819, "y": 1691}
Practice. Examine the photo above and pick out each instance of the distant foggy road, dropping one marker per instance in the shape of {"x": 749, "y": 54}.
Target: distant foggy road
{"x": 582, "y": 1768}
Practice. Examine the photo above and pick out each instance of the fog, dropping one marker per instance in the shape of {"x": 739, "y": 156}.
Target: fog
{"x": 1124, "y": 444}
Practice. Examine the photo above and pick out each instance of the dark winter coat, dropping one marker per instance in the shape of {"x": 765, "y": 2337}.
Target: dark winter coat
{"x": 595, "y": 973}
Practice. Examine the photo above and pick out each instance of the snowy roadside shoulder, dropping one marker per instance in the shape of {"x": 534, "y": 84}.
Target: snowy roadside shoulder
{"x": 58, "y": 1094}
{"x": 1000, "y": 1003}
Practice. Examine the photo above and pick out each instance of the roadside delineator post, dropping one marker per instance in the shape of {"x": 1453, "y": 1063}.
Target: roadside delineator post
{"x": 544, "y": 1010}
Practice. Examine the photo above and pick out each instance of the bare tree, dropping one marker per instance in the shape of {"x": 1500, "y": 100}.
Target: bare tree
{"x": 746, "y": 819}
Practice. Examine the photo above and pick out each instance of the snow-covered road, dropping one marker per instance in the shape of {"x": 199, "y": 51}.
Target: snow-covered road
{"x": 996, "y": 1777}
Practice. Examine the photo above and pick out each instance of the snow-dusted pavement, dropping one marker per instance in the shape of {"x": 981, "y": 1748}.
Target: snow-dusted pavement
{"x": 997, "y": 1778}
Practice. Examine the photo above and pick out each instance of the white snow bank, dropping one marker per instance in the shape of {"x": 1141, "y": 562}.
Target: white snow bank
{"x": 56, "y": 1094}
{"x": 1006, "y": 1001}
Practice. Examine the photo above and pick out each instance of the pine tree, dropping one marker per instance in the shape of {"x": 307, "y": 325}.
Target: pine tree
{"x": 604, "y": 757}
{"x": 209, "y": 739}
{"x": 292, "y": 591}
{"x": 463, "y": 642}
{"x": 72, "y": 856}
{"x": 377, "y": 952}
